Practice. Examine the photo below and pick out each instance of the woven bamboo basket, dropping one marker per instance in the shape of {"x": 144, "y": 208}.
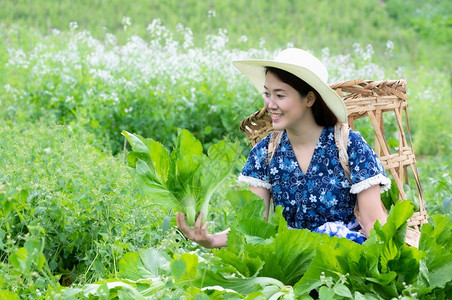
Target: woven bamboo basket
{"x": 372, "y": 99}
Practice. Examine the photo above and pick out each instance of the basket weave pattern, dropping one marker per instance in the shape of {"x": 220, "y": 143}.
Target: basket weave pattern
{"x": 372, "y": 99}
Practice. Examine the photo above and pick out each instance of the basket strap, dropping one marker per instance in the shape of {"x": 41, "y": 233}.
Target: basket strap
{"x": 341, "y": 132}
{"x": 273, "y": 144}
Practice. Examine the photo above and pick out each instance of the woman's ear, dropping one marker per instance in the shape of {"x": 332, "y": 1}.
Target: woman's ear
{"x": 310, "y": 99}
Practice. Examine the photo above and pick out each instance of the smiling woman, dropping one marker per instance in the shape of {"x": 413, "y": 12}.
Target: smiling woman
{"x": 304, "y": 174}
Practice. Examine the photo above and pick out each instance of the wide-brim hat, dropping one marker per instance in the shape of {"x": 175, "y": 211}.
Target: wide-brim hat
{"x": 301, "y": 64}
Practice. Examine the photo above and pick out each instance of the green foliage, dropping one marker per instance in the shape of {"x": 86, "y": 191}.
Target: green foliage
{"x": 292, "y": 263}
{"x": 185, "y": 179}
{"x": 108, "y": 87}
{"x": 436, "y": 180}
{"x": 77, "y": 206}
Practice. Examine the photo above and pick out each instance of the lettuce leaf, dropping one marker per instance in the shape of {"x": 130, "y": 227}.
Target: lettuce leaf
{"x": 436, "y": 242}
{"x": 382, "y": 265}
{"x": 184, "y": 179}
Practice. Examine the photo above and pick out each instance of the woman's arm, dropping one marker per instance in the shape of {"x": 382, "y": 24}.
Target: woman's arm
{"x": 370, "y": 208}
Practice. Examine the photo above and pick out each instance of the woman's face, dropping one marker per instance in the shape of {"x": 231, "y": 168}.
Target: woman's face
{"x": 286, "y": 106}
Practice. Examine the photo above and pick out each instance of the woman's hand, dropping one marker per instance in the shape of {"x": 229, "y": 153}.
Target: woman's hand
{"x": 199, "y": 234}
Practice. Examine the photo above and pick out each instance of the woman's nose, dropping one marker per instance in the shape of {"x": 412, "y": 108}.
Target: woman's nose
{"x": 270, "y": 103}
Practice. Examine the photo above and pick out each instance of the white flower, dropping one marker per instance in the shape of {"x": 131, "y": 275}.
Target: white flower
{"x": 73, "y": 25}
{"x": 211, "y": 13}
{"x": 313, "y": 198}
{"x": 125, "y": 22}
{"x": 243, "y": 39}
{"x": 273, "y": 171}
{"x": 257, "y": 165}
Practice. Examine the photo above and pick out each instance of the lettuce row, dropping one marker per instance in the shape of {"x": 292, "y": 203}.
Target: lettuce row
{"x": 266, "y": 260}
{"x": 384, "y": 266}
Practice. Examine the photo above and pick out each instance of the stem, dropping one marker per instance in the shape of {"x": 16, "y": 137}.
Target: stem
{"x": 205, "y": 209}
{"x": 190, "y": 210}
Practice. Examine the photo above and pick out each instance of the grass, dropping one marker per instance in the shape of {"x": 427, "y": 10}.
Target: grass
{"x": 55, "y": 184}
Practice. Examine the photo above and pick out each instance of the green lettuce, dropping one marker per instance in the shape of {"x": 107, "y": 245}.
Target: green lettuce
{"x": 266, "y": 260}
{"x": 184, "y": 179}
{"x": 384, "y": 266}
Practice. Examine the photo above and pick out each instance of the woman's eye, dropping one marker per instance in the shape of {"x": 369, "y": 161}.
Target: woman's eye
{"x": 266, "y": 94}
{"x": 280, "y": 96}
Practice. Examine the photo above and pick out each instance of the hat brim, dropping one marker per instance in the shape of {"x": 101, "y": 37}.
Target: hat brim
{"x": 254, "y": 69}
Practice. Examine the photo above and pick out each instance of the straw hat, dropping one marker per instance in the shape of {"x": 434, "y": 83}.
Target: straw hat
{"x": 303, "y": 65}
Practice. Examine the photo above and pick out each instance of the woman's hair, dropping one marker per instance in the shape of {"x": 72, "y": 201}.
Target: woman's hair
{"x": 323, "y": 116}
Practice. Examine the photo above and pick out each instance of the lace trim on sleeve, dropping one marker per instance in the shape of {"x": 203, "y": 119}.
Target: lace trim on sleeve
{"x": 254, "y": 182}
{"x": 383, "y": 181}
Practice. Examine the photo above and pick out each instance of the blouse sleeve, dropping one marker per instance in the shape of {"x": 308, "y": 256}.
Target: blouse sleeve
{"x": 365, "y": 167}
{"x": 255, "y": 170}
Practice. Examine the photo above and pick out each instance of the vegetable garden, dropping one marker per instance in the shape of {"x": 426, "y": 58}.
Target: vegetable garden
{"x": 105, "y": 135}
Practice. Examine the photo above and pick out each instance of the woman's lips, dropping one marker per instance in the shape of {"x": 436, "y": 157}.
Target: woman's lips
{"x": 276, "y": 117}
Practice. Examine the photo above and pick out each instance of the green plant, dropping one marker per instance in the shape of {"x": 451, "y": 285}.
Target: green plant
{"x": 270, "y": 260}
{"x": 436, "y": 180}
{"x": 83, "y": 203}
{"x": 185, "y": 179}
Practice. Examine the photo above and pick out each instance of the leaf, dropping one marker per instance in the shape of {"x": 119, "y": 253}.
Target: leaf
{"x": 292, "y": 255}
{"x": 332, "y": 256}
{"x": 7, "y": 295}
{"x": 325, "y": 293}
{"x": 137, "y": 145}
{"x": 154, "y": 261}
{"x": 129, "y": 267}
{"x": 246, "y": 204}
{"x": 20, "y": 260}
{"x": 186, "y": 155}
{"x": 184, "y": 267}
{"x": 152, "y": 187}
{"x": 436, "y": 242}
{"x": 145, "y": 264}
{"x": 161, "y": 159}
{"x": 342, "y": 290}
{"x": 285, "y": 253}
{"x": 243, "y": 286}
{"x": 242, "y": 263}
{"x": 178, "y": 268}
{"x": 103, "y": 291}
{"x": 34, "y": 247}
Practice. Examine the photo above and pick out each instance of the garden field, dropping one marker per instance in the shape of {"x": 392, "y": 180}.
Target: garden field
{"x": 109, "y": 111}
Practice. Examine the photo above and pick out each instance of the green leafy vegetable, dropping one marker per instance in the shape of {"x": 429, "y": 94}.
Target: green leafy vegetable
{"x": 185, "y": 179}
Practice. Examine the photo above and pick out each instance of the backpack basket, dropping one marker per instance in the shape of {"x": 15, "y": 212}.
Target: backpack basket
{"x": 374, "y": 100}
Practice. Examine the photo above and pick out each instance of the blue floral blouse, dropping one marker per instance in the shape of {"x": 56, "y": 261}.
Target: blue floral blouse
{"x": 323, "y": 194}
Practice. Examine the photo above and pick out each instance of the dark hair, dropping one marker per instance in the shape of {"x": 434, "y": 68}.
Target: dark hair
{"x": 323, "y": 116}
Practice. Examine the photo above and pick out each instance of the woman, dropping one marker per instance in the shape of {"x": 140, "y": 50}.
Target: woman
{"x": 304, "y": 174}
